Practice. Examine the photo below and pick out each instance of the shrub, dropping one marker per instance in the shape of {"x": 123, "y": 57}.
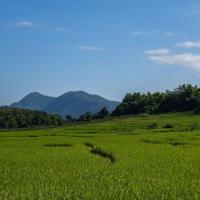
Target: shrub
{"x": 152, "y": 126}
{"x": 168, "y": 126}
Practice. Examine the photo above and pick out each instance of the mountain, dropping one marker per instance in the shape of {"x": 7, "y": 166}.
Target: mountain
{"x": 70, "y": 103}
{"x": 34, "y": 101}
{"x": 78, "y": 103}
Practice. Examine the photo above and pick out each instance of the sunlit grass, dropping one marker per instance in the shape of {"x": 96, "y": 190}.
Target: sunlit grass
{"x": 151, "y": 163}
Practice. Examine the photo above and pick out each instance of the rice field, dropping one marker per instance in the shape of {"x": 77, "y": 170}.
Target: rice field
{"x": 138, "y": 157}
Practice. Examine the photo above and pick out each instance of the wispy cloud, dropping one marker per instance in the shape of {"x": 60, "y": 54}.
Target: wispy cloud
{"x": 90, "y": 48}
{"x": 189, "y": 44}
{"x": 152, "y": 52}
{"x": 151, "y": 32}
{"x": 165, "y": 57}
{"x": 138, "y": 32}
{"x": 61, "y": 29}
{"x": 24, "y": 24}
{"x": 168, "y": 34}
{"x": 195, "y": 9}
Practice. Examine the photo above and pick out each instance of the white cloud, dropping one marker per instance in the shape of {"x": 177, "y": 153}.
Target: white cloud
{"x": 151, "y": 32}
{"x": 136, "y": 33}
{"x": 61, "y": 29}
{"x": 152, "y": 52}
{"x": 186, "y": 59}
{"x": 168, "y": 34}
{"x": 188, "y": 44}
{"x": 90, "y": 48}
{"x": 24, "y": 24}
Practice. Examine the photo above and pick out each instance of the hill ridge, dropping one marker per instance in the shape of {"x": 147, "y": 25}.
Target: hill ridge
{"x": 74, "y": 103}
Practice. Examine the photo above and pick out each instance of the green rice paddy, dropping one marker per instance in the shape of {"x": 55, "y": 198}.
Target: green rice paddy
{"x": 138, "y": 157}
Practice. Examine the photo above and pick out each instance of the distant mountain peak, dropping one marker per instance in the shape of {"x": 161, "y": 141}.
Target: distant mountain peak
{"x": 34, "y": 101}
{"x": 76, "y": 92}
{"x": 73, "y": 103}
{"x": 34, "y": 93}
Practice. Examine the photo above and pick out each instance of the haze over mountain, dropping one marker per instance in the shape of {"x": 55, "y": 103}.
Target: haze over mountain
{"x": 70, "y": 103}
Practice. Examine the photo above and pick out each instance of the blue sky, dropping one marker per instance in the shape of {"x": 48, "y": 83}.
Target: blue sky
{"x": 106, "y": 47}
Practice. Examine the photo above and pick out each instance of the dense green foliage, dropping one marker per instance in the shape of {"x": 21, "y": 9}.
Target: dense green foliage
{"x": 12, "y": 118}
{"x": 184, "y": 98}
{"x": 150, "y": 163}
{"x": 102, "y": 114}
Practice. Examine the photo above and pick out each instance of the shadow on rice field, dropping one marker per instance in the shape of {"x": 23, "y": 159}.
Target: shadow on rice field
{"x": 100, "y": 152}
{"x": 58, "y": 145}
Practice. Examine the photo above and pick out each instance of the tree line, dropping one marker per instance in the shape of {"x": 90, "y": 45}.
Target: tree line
{"x": 182, "y": 99}
{"x": 88, "y": 116}
{"x": 13, "y": 118}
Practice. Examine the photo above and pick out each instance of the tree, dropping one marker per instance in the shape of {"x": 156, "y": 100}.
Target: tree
{"x": 184, "y": 98}
{"x": 69, "y": 118}
{"x": 86, "y": 117}
{"x": 103, "y": 113}
{"x": 11, "y": 118}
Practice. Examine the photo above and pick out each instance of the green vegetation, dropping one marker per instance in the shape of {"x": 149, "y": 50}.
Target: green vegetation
{"x": 102, "y": 114}
{"x": 184, "y": 98}
{"x": 74, "y": 162}
{"x": 13, "y": 118}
